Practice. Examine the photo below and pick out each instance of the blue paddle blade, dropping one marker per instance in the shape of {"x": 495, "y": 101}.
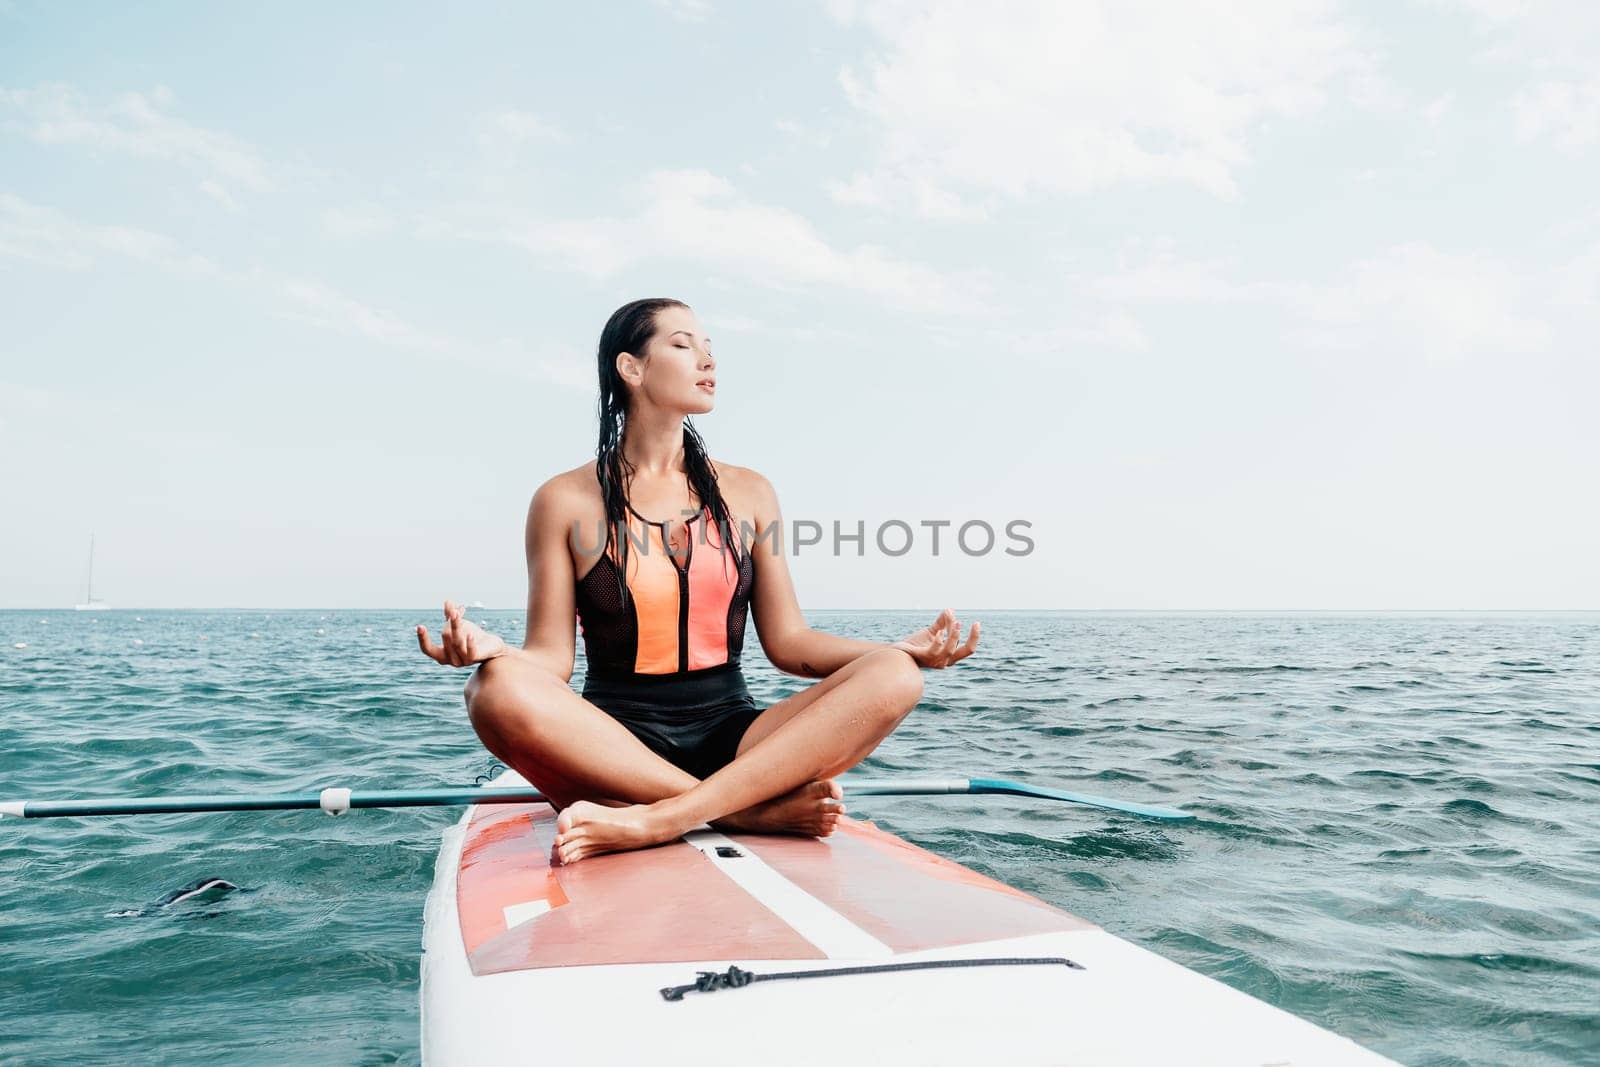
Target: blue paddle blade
{"x": 867, "y": 787}
{"x": 1149, "y": 811}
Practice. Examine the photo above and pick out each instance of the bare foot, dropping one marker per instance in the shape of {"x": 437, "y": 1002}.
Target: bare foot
{"x": 585, "y": 828}
{"x": 811, "y": 810}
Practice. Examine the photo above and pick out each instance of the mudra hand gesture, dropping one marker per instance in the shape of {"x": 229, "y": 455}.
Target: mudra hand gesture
{"x": 939, "y": 644}
{"x": 463, "y": 642}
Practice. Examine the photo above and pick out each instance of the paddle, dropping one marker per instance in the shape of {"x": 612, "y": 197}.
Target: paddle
{"x": 884, "y": 787}
{"x": 335, "y": 800}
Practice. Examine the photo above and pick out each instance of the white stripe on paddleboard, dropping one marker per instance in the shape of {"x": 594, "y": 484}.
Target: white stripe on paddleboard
{"x": 517, "y": 914}
{"x": 836, "y": 936}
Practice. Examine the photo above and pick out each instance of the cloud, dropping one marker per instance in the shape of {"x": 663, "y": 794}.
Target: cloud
{"x": 322, "y": 306}
{"x": 503, "y": 129}
{"x": 361, "y": 220}
{"x": 1566, "y": 112}
{"x": 1096, "y": 334}
{"x": 512, "y": 151}
{"x": 1445, "y": 305}
{"x": 1544, "y": 37}
{"x": 138, "y": 124}
{"x": 694, "y": 216}
{"x": 219, "y": 194}
{"x": 43, "y": 235}
{"x": 684, "y": 10}
{"x": 326, "y": 307}
{"x": 1408, "y": 298}
{"x": 978, "y": 103}
{"x": 1550, "y": 46}
{"x": 817, "y": 136}
{"x": 1115, "y": 329}
{"x": 1489, "y": 11}
{"x": 1578, "y": 283}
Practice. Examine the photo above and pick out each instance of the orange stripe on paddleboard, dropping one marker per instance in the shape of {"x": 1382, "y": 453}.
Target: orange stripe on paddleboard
{"x": 495, "y": 872}
{"x": 667, "y": 904}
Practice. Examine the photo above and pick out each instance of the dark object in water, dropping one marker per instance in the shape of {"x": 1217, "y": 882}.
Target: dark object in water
{"x": 206, "y": 889}
{"x": 201, "y": 890}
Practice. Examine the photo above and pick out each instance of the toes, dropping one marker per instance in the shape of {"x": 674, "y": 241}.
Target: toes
{"x": 569, "y": 845}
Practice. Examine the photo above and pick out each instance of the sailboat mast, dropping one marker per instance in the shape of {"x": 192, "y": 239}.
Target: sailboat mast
{"x": 90, "y": 599}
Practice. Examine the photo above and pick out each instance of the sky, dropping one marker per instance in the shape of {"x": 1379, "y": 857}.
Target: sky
{"x": 1271, "y": 305}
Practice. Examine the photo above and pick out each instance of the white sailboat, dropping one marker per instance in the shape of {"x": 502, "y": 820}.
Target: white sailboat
{"x": 90, "y": 603}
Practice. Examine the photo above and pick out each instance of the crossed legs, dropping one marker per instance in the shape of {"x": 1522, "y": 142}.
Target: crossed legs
{"x": 614, "y": 792}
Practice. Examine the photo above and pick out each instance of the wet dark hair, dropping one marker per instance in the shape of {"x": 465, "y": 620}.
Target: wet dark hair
{"x": 629, "y": 330}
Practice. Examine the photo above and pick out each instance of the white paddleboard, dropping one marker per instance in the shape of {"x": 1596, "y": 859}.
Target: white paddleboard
{"x": 529, "y": 962}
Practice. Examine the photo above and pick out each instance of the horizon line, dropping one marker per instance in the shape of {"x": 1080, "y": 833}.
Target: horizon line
{"x": 919, "y": 610}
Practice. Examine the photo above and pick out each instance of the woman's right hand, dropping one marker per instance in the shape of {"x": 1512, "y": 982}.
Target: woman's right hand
{"x": 464, "y": 642}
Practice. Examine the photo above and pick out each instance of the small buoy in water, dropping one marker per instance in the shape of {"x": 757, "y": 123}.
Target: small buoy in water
{"x": 20, "y": 644}
{"x": 138, "y": 618}
{"x": 203, "y": 637}
{"x": 369, "y": 629}
{"x": 44, "y": 622}
{"x": 256, "y": 634}
{"x": 137, "y": 641}
{"x": 320, "y": 630}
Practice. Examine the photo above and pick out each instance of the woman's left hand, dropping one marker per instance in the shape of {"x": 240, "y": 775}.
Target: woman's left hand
{"x": 939, "y": 644}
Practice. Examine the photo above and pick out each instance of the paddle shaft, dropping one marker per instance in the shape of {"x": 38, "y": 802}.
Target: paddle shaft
{"x": 332, "y": 801}
{"x": 336, "y": 800}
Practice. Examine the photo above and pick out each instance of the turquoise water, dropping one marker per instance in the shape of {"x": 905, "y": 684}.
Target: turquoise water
{"x": 1396, "y": 837}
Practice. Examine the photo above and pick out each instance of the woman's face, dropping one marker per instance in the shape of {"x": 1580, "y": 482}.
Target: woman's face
{"x": 678, "y": 373}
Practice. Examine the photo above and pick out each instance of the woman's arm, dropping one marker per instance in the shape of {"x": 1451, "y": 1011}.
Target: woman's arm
{"x": 551, "y": 636}
{"x": 791, "y": 645}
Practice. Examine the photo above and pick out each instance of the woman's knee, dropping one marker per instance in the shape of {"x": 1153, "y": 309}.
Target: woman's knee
{"x": 903, "y": 677}
{"x": 502, "y": 688}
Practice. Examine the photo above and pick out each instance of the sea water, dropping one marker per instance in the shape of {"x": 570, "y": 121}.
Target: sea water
{"x": 1397, "y": 834}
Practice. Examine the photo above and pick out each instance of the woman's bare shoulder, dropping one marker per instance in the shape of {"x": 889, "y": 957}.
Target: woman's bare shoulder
{"x": 572, "y": 493}
{"x": 736, "y": 476}
{"x": 746, "y": 484}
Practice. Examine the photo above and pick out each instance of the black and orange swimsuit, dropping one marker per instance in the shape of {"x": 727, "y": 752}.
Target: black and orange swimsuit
{"x": 665, "y": 663}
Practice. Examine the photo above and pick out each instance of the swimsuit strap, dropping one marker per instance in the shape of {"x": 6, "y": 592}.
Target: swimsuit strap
{"x": 653, "y": 522}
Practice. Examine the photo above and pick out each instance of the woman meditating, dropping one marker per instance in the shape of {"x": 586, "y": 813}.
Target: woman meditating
{"x": 659, "y": 552}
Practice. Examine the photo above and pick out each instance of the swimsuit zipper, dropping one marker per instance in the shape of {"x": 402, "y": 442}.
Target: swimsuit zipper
{"x": 683, "y": 592}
